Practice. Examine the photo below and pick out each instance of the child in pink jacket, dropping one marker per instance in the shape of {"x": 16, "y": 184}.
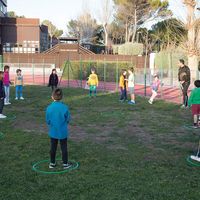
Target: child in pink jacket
{"x": 6, "y": 82}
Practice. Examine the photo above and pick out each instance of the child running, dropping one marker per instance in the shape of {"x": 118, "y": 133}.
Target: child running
{"x": 6, "y": 82}
{"x": 93, "y": 82}
{"x": 194, "y": 101}
{"x": 155, "y": 86}
{"x": 131, "y": 84}
{"x": 19, "y": 85}
{"x": 123, "y": 85}
{"x": 57, "y": 118}
{"x": 2, "y": 96}
{"x": 53, "y": 80}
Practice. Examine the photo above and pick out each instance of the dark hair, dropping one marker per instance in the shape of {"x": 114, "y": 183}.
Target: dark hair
{"x": 53, "y": 70}
{"x": 1, "y": 73}
{"x": 197, "y": 83}
{"x": 156, "y": 75}
{"x": 131, "y": 69}
{"x": 93, "y": 69}
{"x": 182, "y": 61}
{"x": 6, "y": 67}
{"x": 18, "y": 70}
{"x": 123, "y": 70}
{"x": 57, "y": 94}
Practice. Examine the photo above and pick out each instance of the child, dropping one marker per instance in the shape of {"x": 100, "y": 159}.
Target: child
{"x": 194, "y": 101}
{"x": 6, "y": 82}
{"x": 53, "y": 80}
{"x": 19, "y": 85}
{"x": 123, "y": 86}
{"x": 131, "y": 84}
{"x": 155, "y": 86}
{"x": 2, "y": 96}
{"x": 93, "y": 82}
{"x": 57, "y": 118}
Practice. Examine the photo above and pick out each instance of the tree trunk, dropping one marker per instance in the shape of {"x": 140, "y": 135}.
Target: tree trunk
{"x": 135, "y": 26}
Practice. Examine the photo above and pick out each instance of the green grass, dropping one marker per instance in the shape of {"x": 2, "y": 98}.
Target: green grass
{"x": 125, "y": 152}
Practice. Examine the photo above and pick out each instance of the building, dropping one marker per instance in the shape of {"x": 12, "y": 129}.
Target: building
{"x": 3, "y": 8}
{"x": 23, "y": 35}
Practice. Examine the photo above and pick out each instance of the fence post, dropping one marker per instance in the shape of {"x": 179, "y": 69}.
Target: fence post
{"x": 81, "y": 71}
{"x": 33, "y": 72}
{"x": 161, "y": 79}
{"x": 104, "y": 75}
{"x": 68, "y": 73}
{"x": 1, "y": 62}
{"x": 43, "y": 73}
{"x": 171, "y": 68}
{"x": 117, "y": 74}
{"x": 145, "y": 75}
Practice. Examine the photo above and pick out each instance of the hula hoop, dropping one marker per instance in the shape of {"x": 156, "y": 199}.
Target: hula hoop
{"x": 189, "y": 160}
{"x": 191, "y": 127}
{"x": 1, "y": 135}
{"x": 75, "y": 165}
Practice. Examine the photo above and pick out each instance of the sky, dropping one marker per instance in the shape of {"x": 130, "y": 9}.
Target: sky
{"x": 61, "y": 11}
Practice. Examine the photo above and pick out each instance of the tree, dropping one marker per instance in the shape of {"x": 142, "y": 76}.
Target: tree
{"x": 193, "y": 27}
{"x": 12, "y": 14}
{"x": 53, "y": 30}
{"x": 83, "y": 27}
{"x": 135, "y": 13}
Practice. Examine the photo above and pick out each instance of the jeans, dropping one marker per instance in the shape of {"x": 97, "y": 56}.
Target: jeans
{"x": 123, "y": 94}
{"x": 185, "y": 87}
{"x": 7, "y": 93}
{"x": 18, "y": 90}
{"x": 1, "y": 105}
{"x": 63, "y": 145}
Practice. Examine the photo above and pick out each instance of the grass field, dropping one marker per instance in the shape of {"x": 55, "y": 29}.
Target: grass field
{"x": 125, "y": 152}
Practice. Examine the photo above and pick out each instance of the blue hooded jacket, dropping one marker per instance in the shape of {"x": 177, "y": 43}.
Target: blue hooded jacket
{"x": 57, "y": 118}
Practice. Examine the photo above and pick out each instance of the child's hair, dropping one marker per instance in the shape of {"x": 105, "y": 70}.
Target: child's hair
{"x": 156, "y": 76}
{"x": 53, "y": 70}
{"x": 131, "y": 69}
{"x": 182, "y": 61}
{"x": 57, "y": 94}
{"x": 6, "y": 67}
{"x": 1, "y": 75}
{"x": 122, "y": 72}
{"x": 18, "y": 70}
{"x": 197, "y": 83}
{"x": 93, "y": 69}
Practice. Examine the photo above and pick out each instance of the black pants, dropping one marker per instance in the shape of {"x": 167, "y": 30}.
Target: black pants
{"x": 53, "y": 87}
{"x": 123, "y": 94}
{"x": 63, "y": 145}
{"x": 185, "y": 87}
{"x": 1, "y": 105}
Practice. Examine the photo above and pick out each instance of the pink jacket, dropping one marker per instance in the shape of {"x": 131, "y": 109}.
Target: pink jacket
{"x": 6, "y": 79}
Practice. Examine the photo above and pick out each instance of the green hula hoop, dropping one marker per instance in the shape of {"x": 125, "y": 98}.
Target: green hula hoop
{"x": 34, "y": 167}
{"x": 1, "y": 135}
{"x": 192, "y": 163}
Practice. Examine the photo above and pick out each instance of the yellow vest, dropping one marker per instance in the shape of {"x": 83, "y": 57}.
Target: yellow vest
{"x": 93, "y": 80}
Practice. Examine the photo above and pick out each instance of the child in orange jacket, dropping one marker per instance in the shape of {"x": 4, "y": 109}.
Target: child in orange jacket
{"x": 123, "y": 85}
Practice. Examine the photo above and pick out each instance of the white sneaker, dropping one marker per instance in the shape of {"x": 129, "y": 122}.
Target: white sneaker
{"x": 16, "y": 98}
{"x": 6, "y": 104}
{"x": 21, "y": 98}
{"x": 195, "y": 158}
{"x": 2, "y": 116}
{"x": 150, "y": 102}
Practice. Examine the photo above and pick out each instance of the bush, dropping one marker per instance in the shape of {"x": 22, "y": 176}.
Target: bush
{"x": 131, "y": 49}
{"x": 108, "y": 71}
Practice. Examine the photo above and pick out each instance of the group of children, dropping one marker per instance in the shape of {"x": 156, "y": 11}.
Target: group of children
{"x": 5, "y": 88}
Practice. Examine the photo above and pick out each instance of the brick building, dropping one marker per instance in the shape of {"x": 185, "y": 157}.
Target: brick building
{"x": 23, "y": 35}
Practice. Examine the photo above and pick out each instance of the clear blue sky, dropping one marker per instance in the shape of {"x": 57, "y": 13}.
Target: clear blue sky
{"x": 61, "y": 11}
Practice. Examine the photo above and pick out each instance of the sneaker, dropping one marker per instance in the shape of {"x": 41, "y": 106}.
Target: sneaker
{"x": 52, "y": 165}
{"x": 16, "y": 98}
{"x": 195, "y": 127}
{"x": 183, "y": 106}
{"x": 196, "y": 158}
{"x": 150, "y": 102}
{"x": 21, "y": 98}
{"x": 67, "y": 166}
{"x": 2, "y": 116}
{"x": 8, "y": 103}
{"x": 131, "y": 103}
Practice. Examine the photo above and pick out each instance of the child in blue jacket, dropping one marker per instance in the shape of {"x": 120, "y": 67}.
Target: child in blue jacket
{"x": 57, "y": 118}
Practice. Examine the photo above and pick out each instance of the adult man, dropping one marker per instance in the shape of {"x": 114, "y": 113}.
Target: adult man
{"x": 184, "y": 79}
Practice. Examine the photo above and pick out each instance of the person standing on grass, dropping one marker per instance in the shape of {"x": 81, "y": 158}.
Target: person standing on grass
{"x": 93, "y": 82}
{"x": 57, "y": 119}
{"x": 184, "y": 80}
{"x": 19, "y": 85}
{"x": 154, "y": 87}
{"x": 194, "y": 101}
{"x": 123, "y": 85}
{"x": 6, "y": 82}
{"x": 2, "y": 95}
{"x": 53, "y": 80}
{"x": 131, "y": 84}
